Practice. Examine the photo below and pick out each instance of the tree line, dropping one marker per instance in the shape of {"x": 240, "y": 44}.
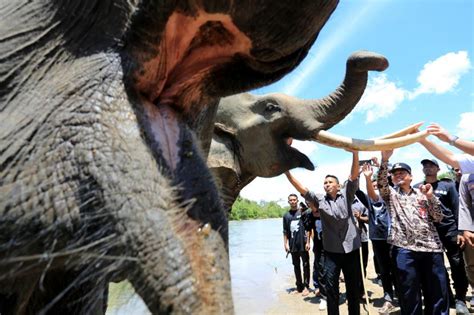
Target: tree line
{"x": 244, "y": 209}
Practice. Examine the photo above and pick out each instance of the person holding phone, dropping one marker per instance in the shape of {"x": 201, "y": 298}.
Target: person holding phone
{"x": 379, "y": 223}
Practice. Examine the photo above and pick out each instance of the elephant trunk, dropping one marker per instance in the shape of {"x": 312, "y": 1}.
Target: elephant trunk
{"x": 334, "y": 107}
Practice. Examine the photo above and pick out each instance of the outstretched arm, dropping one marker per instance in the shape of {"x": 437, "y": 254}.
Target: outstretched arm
{"x": 444, "y": 135}
{"x": 382, "y": 180}
{"x": 355, "y": 166}
{"x": 368, "y": 172}
{"x": 441, "y": 153}
{"x": 299, "y": 187}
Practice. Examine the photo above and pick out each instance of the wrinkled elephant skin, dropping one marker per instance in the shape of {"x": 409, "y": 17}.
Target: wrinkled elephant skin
{"x": 102, "y": 176}
{"x": 252, "y": 132}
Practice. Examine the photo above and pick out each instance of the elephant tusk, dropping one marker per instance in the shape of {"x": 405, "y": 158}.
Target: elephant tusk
{"x": 403, "y": 132}
{"x": 337, "y": 141}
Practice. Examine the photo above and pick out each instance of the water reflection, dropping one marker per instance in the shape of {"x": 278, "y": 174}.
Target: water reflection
{"x": 258, "y": 267}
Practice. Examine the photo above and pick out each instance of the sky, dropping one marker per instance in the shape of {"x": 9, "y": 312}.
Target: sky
{"x": 430, "y": 48}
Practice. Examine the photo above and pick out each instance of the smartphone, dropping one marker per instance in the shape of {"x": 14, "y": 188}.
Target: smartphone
{"x": 362, "y": 162}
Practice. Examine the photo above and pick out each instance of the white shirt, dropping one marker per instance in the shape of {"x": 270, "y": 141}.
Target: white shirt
{"x": 466, "y": 163}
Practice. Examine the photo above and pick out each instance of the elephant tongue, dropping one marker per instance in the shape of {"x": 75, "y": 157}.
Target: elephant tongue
{"x": 164, "y": 131}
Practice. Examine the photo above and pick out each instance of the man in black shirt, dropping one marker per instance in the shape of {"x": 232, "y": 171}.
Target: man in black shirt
{"x": 445, "y": 191}
{"x": 296, "y": 242}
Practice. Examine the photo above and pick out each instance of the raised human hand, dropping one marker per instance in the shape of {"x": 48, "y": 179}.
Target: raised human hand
{"x": 427, "y": 190}
{"x": 375, "y": 161}
{"x": 367, "y": 170}
{"x": 438, "y": 131}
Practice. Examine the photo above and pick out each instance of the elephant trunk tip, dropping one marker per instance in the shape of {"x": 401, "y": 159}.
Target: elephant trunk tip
{"x": 363, "y": 61}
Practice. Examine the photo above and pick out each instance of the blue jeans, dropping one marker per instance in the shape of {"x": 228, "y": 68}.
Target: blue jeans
{"x": 419, "y": 271}
{"x": 350, "y": 265}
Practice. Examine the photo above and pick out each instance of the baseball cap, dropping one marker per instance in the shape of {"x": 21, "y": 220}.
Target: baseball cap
{"x": 430, "y": 161}
{"x": 400, "y": 166}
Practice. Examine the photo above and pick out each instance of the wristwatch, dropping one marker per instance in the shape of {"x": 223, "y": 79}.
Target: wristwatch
{"x": 453, "y": 139}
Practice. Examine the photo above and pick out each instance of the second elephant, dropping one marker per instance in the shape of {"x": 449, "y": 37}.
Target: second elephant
{"x": 251, "y": 132}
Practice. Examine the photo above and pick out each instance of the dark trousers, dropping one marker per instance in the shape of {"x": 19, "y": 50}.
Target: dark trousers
{"x": 417, "y": 272}
{"x": 318, "y": 268}
{"x": 456, "y": 261}
{"x": 386, "y": 267}
{"x": 350, "y": 265}
{"x": 295, "y": 257}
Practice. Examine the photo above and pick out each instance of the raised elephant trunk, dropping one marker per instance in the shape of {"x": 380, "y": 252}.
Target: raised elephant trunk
{"x": 334, "y": 107}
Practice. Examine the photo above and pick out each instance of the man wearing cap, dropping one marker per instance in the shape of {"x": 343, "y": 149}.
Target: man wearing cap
{"x": 417, "y": 250}
{"x": 453, "y": 242}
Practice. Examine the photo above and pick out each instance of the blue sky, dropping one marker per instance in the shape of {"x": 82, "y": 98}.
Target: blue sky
{"x": 430, "y": 48}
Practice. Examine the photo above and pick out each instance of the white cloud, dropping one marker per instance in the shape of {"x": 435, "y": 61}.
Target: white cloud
{"x": 442, "y": 75}
{"x": 306, "y": 147}
{"x": 465, "y": 127}
{"x": 380, "y": 99}
{"x": 382, "y": 96}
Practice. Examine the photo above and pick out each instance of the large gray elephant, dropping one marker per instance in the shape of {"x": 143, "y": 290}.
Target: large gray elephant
{"x": 251, "y": 133}
{"x": 101, "y": 107}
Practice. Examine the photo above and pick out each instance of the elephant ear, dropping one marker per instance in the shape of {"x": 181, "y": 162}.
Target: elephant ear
{"x": 224, "y": 162}
{"x": 225, "y": 149}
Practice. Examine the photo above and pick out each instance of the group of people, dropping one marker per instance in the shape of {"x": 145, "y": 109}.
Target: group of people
{"x": 411, "y": 226}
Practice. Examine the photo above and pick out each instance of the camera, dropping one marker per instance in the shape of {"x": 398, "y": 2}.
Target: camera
{"x": 362, "y": 162}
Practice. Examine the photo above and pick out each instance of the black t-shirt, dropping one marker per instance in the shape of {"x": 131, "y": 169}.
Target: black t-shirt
{"x": 294, "y": 228}
{"x": 313, "y": 223}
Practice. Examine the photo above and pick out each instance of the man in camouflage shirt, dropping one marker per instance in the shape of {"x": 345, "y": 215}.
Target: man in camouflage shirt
{"x": 417, "y": 250}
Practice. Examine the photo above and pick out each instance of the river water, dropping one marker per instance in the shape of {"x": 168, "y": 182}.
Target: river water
{"x": 259, "y": 270}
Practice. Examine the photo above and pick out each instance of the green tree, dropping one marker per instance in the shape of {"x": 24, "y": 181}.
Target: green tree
{"x": 244, "y": 209}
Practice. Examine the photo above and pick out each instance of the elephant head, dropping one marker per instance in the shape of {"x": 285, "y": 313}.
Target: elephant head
{"x": 251, "y": 133}
{"x": 102, "y": 178}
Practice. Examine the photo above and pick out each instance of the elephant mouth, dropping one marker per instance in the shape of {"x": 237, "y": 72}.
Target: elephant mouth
{"x": 395, "y": 140}
{"x": 175, "y": 70}
{"x": 297, "y": 157}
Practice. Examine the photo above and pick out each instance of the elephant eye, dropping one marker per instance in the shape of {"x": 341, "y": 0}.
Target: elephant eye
{"x": 270, "y": 107}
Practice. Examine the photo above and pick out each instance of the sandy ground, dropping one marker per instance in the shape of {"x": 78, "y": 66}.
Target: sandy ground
{"x": 291, "y": 302}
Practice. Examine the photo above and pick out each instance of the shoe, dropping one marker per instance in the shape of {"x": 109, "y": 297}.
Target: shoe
{"x": 386, "y": 308}
{"x": 323, "y": 305}
{"x": 305, "y": 292}
{"x": 317, "y": 292}
{"x": 461, "y": 308}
